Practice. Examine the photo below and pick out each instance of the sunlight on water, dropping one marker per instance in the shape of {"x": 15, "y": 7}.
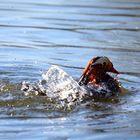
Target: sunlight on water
{"x": 38, "y": 34}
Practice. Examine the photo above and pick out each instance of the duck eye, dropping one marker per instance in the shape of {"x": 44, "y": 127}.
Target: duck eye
{"x": 104, "y": 63}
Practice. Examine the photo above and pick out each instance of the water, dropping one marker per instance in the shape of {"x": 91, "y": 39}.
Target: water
{"x": 36, "y": 34}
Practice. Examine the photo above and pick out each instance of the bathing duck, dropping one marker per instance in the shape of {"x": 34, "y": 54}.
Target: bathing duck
{"x": 96, "y": 74}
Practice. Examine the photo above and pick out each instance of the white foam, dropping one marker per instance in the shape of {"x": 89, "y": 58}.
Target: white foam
{"x": 59, "y": 84}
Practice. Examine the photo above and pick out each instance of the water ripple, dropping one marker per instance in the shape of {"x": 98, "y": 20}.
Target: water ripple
{"x": 38, "y": 34}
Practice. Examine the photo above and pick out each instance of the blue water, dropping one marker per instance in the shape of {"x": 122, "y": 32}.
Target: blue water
{"x": 36, "y": 34}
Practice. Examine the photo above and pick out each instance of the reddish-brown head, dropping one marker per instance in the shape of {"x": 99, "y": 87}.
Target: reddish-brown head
{"x": 96, "y": 70}
{"x": 106, "y": 64}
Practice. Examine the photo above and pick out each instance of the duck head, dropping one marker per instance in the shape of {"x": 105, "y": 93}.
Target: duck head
{"x": 96, "y": 70}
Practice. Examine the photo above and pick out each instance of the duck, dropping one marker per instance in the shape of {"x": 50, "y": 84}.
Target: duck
{"x": 96, "y": 74}
{"x": 94, "y": 83}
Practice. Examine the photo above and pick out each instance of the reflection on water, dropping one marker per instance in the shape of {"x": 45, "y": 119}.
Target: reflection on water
{"x": 36, "y": 34}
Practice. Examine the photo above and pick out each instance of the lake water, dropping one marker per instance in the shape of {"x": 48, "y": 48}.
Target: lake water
{"x": 36, "y": 34}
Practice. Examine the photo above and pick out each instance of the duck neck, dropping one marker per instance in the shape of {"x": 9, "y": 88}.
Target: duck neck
{"x": 99, "y": 77}
{"x": 96, "y": 76}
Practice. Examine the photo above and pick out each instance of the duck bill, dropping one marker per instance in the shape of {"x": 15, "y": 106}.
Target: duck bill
{"x": 113, "y": 70}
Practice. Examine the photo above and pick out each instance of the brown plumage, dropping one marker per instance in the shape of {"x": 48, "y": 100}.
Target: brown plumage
{"x": 95, "y": 73}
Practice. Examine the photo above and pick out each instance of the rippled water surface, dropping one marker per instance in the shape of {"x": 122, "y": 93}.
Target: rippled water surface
{"x": 36, "y": 34}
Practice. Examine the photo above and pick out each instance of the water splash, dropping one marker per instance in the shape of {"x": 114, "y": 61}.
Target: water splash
{"x": 58, "y": 85}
